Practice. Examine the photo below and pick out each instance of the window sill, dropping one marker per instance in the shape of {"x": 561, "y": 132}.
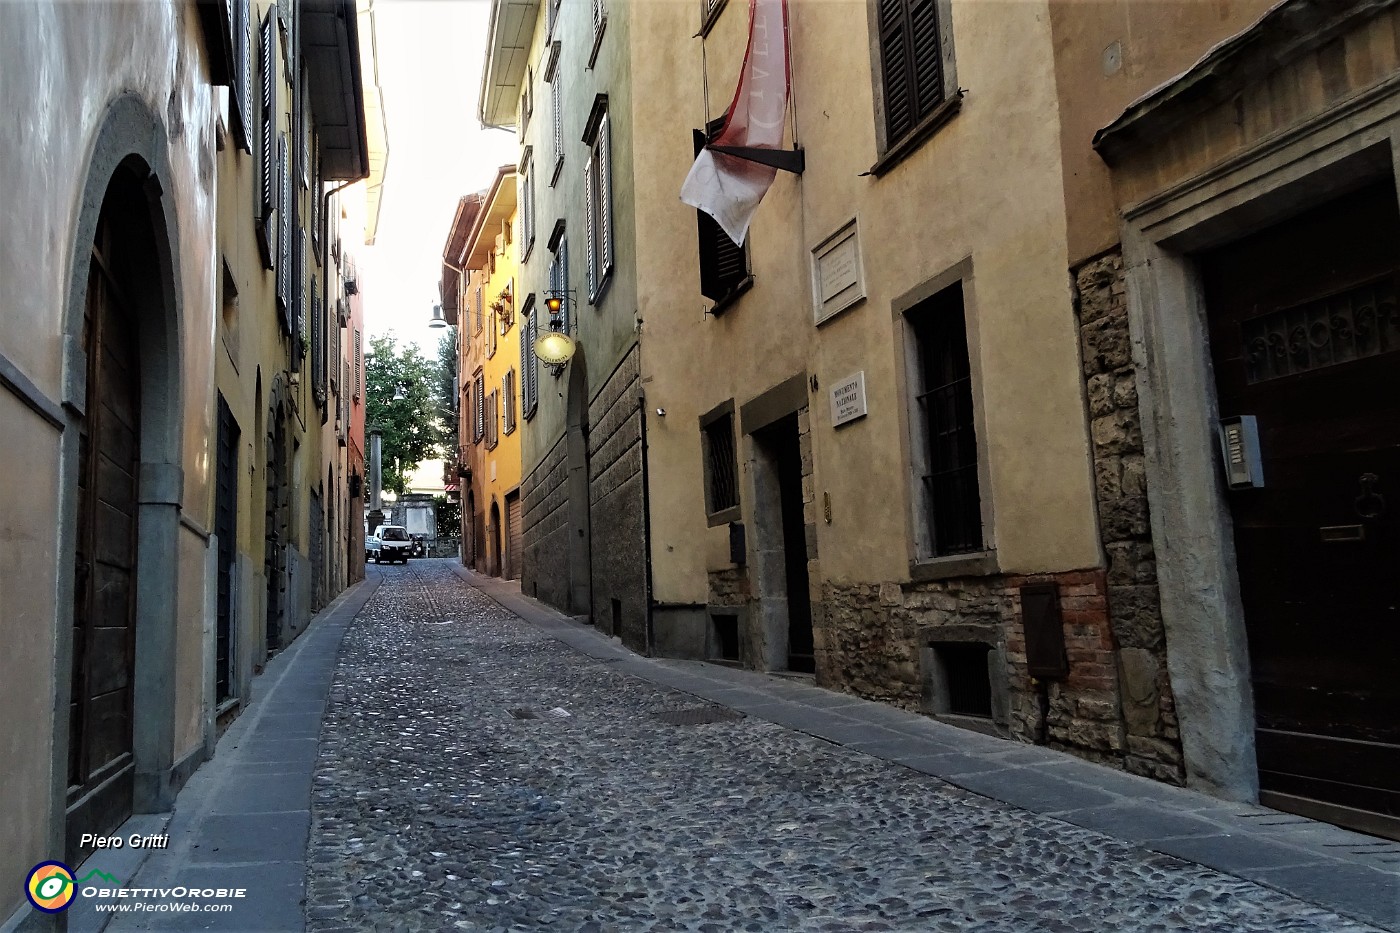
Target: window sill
{"x": 916, "y": 137}
{"x": 708, "y": 22}
{"x": 724, "y": 517}
{"x": 977, "y": 564}
{"x": 734, "y": 295}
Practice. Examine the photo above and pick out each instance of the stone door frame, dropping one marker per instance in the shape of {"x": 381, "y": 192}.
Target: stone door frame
{"x": 1192, "y": 531}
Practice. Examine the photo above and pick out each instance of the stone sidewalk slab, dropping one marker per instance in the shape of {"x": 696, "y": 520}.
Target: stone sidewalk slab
{"x": 243, "y": 819}
{"x": 1350, "y": 873}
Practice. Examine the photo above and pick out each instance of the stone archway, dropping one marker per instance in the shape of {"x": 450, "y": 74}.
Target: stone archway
{"x": 122, "y": 328}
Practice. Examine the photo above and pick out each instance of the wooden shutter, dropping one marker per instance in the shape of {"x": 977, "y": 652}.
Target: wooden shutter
{"x": 557, "y": 103}
{"x": 605, "y": 190}
{"x": 242, "y": 84}
{"x": 723, "y": 265}
{"x": 911, "y": 63}
{"x": 284, "y": 240}
{"x": 590, "y": 176}
{"x": 357, "y": 364}
{"x": 267, "y": 167}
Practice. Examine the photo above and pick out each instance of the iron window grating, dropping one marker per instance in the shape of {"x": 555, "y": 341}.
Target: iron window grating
{"x": 952, "y": 499}
{"x": 722, "y": 470}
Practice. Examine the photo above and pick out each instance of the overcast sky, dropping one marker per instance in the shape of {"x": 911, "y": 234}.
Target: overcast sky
{"x": 430, "y": 54}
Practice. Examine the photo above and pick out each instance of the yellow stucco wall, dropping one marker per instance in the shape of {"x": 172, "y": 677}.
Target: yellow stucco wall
{"x": 938, "y": 208}
{"x": 502, "y": 465}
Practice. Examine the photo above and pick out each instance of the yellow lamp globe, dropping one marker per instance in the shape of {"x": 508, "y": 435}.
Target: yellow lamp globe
{"x": 554, "y": 347}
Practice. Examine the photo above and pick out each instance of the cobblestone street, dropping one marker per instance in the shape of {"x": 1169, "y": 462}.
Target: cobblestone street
{"x": 476, "y": 773}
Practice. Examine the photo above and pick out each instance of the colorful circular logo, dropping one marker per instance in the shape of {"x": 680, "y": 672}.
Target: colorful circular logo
{"x": 50, "y": 887}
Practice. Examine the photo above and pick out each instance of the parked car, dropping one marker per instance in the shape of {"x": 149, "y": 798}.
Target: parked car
{"x": 388, "y": 544}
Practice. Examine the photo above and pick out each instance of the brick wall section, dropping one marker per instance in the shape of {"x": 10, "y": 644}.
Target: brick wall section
{"x": 1152, "y": 741}
{"x": 617, "y": 506}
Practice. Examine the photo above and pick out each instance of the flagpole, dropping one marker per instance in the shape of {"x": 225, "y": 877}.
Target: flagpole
{"x": 792, "y": 85}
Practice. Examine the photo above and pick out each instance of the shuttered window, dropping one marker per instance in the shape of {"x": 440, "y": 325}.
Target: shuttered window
{"x": 268, "y": 164}
{"x": 479, "y": 407}
{"x": 508, "y": 400}
{"x": 241, "y": 88}
{"x": 529, "y": 363}
{"x": 559, "y": 282}
{"x": 724, "y": 267}
{"x": 284, "y": 238}
{"x": 598, "y": 209}
{"x": 525, "y": 185}
{"x": 491, "y": 336}
{"x": 493, "y": 419}
{"x": 318, "y": 342}
{"x": 556, "y": 103}
{"x": 911, "y": 64}
{"x": 358, "y": 383}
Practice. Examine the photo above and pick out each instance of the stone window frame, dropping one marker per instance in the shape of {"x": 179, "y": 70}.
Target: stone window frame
{"x": 735, "y": 512}
{"x": 1202, "y": 610}
{"x": 922, "y": 566}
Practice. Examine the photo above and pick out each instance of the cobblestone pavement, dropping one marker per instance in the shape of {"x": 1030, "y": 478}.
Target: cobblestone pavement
{"x": 476, "y": 774}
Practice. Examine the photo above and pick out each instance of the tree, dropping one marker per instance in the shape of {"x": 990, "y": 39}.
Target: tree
{"x": 411, "y": 429}
{"x": 447, "y": 390}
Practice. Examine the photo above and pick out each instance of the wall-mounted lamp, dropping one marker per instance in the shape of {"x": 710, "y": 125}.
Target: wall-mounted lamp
{"x": 554, "y": 346}
{"x": 438, "y": 320}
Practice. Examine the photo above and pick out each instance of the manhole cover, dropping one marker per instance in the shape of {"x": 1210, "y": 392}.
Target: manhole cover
{"x": 698, "y": 715}
{"x": 524, "y": 713}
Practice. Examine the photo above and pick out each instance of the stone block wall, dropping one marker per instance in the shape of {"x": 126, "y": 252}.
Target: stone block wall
{"x": 1152, "y": 740}
{"x": 544, "y": 519}
{"x": 617, "y": 503}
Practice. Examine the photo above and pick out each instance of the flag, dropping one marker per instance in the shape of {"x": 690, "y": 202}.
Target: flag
{"x": 727, "y": 187}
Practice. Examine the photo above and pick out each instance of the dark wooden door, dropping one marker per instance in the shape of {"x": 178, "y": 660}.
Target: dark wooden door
{"x": 226, "y": 529}
{"x": 782, "y": 441}
{"x": 1304, "y": 332}
{"x": 101, "y": 763}
{"x": 514, "y": 542}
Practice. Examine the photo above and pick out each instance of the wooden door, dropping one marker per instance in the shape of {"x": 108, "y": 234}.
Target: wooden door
{"x": 226, "y": 529}
{"x": 1304, "y": 333}
{"x": 101, "y": 764}
{"x": 514, "y": 538}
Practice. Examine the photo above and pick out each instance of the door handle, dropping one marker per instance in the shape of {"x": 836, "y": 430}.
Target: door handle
{"x": 1370, "y": 504}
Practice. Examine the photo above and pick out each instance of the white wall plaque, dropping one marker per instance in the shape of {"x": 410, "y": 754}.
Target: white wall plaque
{"x": 838, "y": 277}
{"x": 848, "y": 399}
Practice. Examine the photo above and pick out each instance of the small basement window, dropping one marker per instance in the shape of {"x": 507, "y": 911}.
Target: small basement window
{"x": 726, "y": 637}
{"x": 963, "y": 678}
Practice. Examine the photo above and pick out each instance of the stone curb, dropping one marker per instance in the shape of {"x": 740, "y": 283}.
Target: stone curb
{"x": 1352, "y": 874}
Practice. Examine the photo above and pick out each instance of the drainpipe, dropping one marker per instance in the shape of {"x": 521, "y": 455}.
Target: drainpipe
{"x": 646, "y": 515}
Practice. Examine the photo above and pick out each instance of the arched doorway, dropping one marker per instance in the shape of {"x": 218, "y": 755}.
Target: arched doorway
{"x": 469, "y": 531}
{"x": 576, "y": 450}
{"x": 493, "y": 533}
{"x": 122, "y": 485}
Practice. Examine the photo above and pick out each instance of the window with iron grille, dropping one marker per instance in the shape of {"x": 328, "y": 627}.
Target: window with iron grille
{"x": 724, "y": 266}
{"x": 721, "y": 468}
{"x": 508, "y": 408}
{"x": 916, "y": 65}
{"x": 943, "y": 419}
{"x": 493, "y": 419}
{"x": 479, "y": 407}
{"x": 598, "y": 213}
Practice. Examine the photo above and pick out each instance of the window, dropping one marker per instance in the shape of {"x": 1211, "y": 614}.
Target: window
{"x": 598, "y": 211}
{"x": 526, "y": 185}
{"x": 284, "y": 234}
{"x": 709, "y": 12}
{"x": 527, "y": 101}
{"x": 600, "y": 22}
{"x": 493, "y": 419}
{"x": 529, "y": 363}
{"x": 269, "y": 165}
{"x": 479, "y": 407}
{"x": 242, "y": 104}
{"x": 480, "y": 308}
{"x": 508, "y": 408}
{"x": 721, "y": 468}
{"x": 556, "y": 104}
{"x": 915, "y": 70}
{"x": 559, "y": 282}
{"x": 551, "y": 16}
{"x": 724, "y": 267}
{"x": 359, "y": 383}
{"x": 945, "y": 439}
{"x": 491, "y": 336}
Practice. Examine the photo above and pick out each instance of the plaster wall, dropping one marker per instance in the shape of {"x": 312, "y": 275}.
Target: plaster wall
{"x": 938, "y": 208}
{"x": 501, "y": 465}
{"x": 1108, "y": 54}
{"x": 62, "y": 66}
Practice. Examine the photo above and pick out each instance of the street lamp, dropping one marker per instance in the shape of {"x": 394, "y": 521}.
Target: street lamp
{"x": 437, "y": 321}
{"x": 554, "y": 346}
{"x": 399, "y": 395}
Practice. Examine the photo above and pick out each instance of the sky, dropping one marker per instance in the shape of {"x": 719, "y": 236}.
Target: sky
{"x": 430, "y": 54}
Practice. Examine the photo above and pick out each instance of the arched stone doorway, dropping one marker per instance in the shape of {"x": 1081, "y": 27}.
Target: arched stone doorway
{"x": 122, "y": 483}
{"x": 493, "y": 534}
{"x": 577, "y": 486}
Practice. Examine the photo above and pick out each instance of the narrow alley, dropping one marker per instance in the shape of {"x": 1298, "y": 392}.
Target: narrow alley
{"x": 480, "y": 770}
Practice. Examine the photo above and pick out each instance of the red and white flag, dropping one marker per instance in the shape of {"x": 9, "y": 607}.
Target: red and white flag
{"x": 726, "y": 187}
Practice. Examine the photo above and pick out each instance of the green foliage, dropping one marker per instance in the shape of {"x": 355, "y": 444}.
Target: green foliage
{"x": 449, "y": 516}
{"x": 412, "y": 429}
{"x": 447, "y": 389}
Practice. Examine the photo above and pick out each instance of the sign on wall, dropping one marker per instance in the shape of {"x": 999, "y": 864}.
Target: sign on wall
{"x": 838, "y": 278}
{"x": 848, "y": 400}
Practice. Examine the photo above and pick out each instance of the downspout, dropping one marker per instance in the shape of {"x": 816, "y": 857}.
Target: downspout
{"x": 646, "y": 511}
